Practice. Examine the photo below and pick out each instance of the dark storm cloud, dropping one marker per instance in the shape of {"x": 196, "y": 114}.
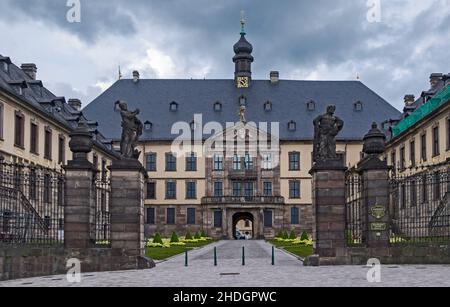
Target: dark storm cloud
{"x": 98, "y": 16}
{"x": 288, "y": 35}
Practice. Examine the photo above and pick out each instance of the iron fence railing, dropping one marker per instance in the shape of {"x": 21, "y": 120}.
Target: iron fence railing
{"x": 102, "y": 194}
{"x": 31, "y": 205}
{"x": 355, "y": 217}
{"x": 421, "y": 207}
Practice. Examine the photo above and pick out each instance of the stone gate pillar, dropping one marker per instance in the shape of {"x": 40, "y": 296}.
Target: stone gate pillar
{"x": 127, "y": 207}
{"x": 328, "y": 192}
{"x": 375, "y": 192}
{"x": 79, "y": 211}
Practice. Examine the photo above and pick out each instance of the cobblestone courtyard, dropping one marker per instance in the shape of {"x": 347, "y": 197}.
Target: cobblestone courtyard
{"x": 258, "y": 272}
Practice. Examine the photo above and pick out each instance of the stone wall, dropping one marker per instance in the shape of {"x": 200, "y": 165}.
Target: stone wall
{"x": 26, "y": 262}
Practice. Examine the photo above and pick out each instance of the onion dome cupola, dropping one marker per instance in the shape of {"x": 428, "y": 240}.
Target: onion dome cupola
{"x": 243, "y": 59}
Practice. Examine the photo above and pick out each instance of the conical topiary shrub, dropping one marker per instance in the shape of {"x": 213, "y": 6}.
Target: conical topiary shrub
{"x": 203, "y": 234}
{"x": 285, "y": 235}
{"x": 304, "y": 236}
{"x": 292, "y": 235}
{"x": 174, "y": 238}
{"x": 197, "y": 235}
{"x": 188, "y": 235}
{"x": 157, "y": 238}
{"x": 280, "y": 235}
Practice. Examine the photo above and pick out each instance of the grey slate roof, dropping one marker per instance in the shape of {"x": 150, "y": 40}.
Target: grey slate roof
{"x": 45, "y": 102}
{"x": 289, "y": 100}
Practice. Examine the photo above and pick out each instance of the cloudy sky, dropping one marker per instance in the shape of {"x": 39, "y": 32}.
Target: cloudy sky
{"x": 303, "y": 39}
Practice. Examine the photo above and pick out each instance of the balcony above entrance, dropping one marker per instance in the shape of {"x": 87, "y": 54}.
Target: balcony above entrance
{"x": 269, "y": 200}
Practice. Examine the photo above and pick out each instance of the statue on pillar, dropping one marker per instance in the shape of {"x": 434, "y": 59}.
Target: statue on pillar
{"x": 326, "y": 128}
{"x": 132, "y": 129}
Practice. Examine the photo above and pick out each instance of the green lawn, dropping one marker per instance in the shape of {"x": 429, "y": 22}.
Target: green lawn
{"x": 160, "y": 253}
{"x": 296, "y": 249}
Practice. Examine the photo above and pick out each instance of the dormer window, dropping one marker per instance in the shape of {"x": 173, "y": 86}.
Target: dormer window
{"x": 217, "y": 107}
{"x": 268, "y": 106}
{"x": 243, "y": 101}
{"x": 5, "y": 67}
{"x": 358, "y": 106}
{"x": 173, "y": 106}
{"x": 292, "y": 126}
{"x": 311, "y": 105}
{"x": 148, "y": 126}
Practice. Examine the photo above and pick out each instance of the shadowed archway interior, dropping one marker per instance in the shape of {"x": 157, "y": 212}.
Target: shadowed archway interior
{"x": 248, "y": 222}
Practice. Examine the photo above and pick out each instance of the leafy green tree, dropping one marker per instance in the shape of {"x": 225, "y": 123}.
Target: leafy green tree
{"x": 174, "y": 238}
{"x": 304, "y": 236}
{"x": 292, "y": 235}
{"x": 157, "y": 238}
{"x": 188, "y": 235}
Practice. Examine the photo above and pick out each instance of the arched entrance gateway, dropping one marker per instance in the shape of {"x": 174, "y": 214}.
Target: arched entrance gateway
{"x": 243, "y": 226}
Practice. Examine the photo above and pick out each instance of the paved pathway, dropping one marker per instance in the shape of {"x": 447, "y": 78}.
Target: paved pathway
{"x": 258, "y": 272}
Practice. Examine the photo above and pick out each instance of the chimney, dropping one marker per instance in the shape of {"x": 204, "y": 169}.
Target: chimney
{"x": 75, "y": 103}
{"x": 409, "y": 100}
{"x": 136, "y": 76}
{"x": 30, "y": 69}
{"x": 274, "y": 77}
{"x": 435, "y": 78}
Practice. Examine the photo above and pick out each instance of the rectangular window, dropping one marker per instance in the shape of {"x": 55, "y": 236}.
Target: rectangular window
{"x": 394, "y": 160}
{"x": 150, "y": 162}
{"x": 218, "y": 189}
{"x": 267, "y": 162}
{"x": 61, "y": 150}
{"x": 413, "y": 192}
{"x": 237, "y": 163}
{"x": 218, "y": 219}
{"x": 412, "y": 153}
{"x": 34, "y": 138}
{"x": 150, "y": 216}
{"x": 33, "y": 184}
{"x": 237, "y": 189}
{"x": 191, "y": 190}
{"x": 151, "y": 190}
{"x": 423, "y": 147}
{"x": 448, "y": 132}
{"x": 218, "y": 163}
{"x": 268, "y": 218}
{"x": 249, "y": 189}
{"x": 436, "y": 149}
{"x": 2, "y": 120}
{"x": 171, "y": 190}
{"x": 403, "y": 196}
{"x": 294, "y": 189}
{"x": 104, "y": 170}
{"x": 295, "y": 219}
{"x": 191, "y": 163}
{"x": 48, "y": 144}
{"x": 437, "y": 186}
{"x": 171, "y": 163}
{"x": 170, "y": 216}
{"x": 267, "y": 190}
{"x": 248, "y": 161}
{"x": 47, "y": 189}
{"x": 424, "y": 189}
{"x": 402, "y": 158}
{"x": 191, "y": 216}
{"x": 294, "y": 161}
{"x": 19, "y": 130}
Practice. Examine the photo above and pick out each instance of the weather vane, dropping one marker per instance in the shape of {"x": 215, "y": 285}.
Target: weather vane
{"x": 242, "y": 22}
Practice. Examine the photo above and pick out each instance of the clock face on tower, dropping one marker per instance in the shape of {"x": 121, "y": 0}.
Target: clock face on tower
{"x": 242, "y": 82}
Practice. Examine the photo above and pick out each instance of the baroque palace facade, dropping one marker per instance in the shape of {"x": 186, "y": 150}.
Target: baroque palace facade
{"x": 238, "y": 189}
{"x": 35, "y": 125}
